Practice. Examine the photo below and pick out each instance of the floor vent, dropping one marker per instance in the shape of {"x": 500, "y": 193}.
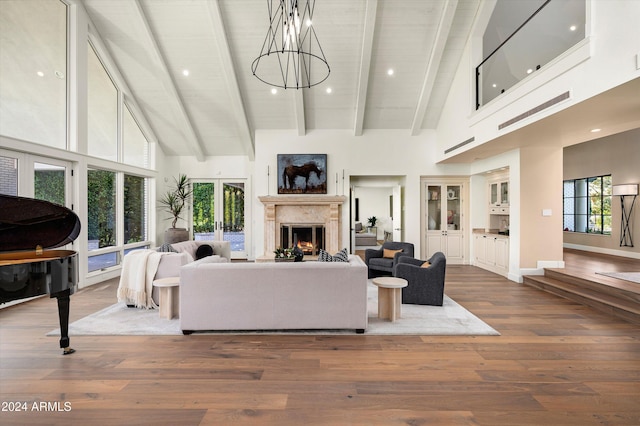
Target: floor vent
{"x": 535, "y": 110}
{"x": 461, "y": 144}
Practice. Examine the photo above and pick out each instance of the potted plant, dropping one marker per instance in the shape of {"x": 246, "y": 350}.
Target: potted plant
{"x": 284, "y": 254}
{"x": 372, "y": 221}
{"x": 174, "y": 202}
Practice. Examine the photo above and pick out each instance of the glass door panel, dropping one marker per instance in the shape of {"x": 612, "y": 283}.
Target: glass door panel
{"x": 434, "y": 207}
{"x": 453, "y": 208}
{"x": 218, "y": 213}
{"x": 233, "y": 216}
{"x": 204, "y": 214}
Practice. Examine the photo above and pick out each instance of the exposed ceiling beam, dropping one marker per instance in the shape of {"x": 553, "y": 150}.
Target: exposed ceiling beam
{"x": 444, "y": 27}
{"x": 228, "y": 69}
{"x": 298, "y": 95}
{"x": 365, "y": 63}
{"x": 169, "y": 84}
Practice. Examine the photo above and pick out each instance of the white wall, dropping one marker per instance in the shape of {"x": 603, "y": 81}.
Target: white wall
{"x": 376, "y": 153}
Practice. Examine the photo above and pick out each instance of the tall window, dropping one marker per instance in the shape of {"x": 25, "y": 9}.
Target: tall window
{"x": 33, "y": 71}
{"x": 101, "y": 203}
{"x": 135, "y": 145}
{"x": 102, "y": 110}
{"x": 49, "y": 183}
{"x": 587, "y": 205}
{"x": 135, "y": 212}
{"x": 8, "y": 175}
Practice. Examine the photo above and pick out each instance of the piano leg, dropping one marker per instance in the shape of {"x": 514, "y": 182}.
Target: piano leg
{"x": 63, "y": 315}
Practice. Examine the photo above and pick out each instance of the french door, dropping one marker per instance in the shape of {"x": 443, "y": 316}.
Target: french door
{"x": 219, "y": 213}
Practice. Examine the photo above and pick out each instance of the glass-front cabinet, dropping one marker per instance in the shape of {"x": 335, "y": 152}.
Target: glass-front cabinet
{"x": 499, "y": 193}
{"x": 443, "y": 220}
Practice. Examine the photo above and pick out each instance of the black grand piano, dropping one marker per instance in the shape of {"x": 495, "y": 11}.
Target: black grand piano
{"x": 28, "y": 228}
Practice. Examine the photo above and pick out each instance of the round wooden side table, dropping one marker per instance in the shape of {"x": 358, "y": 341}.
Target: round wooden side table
{"x": 389, "y": 296}
{"x": 169, "y": 296}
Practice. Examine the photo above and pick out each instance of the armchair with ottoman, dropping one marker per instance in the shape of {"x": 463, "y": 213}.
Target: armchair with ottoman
{"x": 381, "y": 262}
{"x": 426, "y": 279}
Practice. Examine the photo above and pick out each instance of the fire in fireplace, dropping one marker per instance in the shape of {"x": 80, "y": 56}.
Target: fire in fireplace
{"x": 309, "y": 237}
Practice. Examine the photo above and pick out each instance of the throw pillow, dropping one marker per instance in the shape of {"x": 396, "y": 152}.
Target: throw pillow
{"x": 204, "y": 251}
{"x": 323, "y": 256}
{"x": 425, "y": 265}
{"x": 389, "y": 254}
{"x": 167, "y": 248}
{"x": 341, "y": 256}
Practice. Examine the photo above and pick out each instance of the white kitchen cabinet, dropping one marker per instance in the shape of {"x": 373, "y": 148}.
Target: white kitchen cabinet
{"x": 491, "y": 252}
{"x": 499, "y": 193}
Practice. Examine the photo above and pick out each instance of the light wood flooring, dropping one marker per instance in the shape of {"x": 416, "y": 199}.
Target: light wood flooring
{"x": 556, "y": 362}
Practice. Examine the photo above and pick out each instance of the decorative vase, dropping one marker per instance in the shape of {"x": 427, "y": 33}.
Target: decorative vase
{"x": 298, "y": 253}
{"x": 432, "y": 223}
{"x": 175, "y": 235}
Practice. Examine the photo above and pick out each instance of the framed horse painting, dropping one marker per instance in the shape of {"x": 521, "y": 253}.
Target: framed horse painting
{"x": 302, "y": 173}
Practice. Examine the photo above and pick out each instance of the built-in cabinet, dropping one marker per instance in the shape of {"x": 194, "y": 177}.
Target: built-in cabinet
{"x": 491, "y": 252}
{"x": 499, "y": 193}
{"x": 443, "y": 219}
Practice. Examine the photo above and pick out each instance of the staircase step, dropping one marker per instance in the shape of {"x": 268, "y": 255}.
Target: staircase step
{"x": 601, "y": 297}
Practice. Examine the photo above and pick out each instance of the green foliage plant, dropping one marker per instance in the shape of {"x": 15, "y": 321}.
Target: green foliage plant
{"x": 175, "y": 199}
{"x": 372, "y": 221}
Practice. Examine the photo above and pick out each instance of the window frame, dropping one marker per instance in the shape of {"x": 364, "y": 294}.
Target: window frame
{"x": 585, "y": 203}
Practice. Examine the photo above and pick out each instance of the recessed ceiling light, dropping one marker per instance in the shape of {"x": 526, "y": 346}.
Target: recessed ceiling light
{"x": 390, "y": 71}
{"x": 40, "y": 74}
{"x": 59, "y": 74}
{"x": 529, "y": 71}
{"x": 329, "y": 90}
{"x": 185, "y": 72}
{"x": 595, "y": 130}
{"x": 274, "y": 90}
{"x": 573, "y": 28}
{"x": 495, "y": 85}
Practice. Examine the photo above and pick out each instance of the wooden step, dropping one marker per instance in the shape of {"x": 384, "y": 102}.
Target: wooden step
{"x": 619, "y": 302}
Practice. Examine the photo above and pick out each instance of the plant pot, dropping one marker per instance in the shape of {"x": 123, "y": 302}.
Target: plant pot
{"x": 175, "y": 235}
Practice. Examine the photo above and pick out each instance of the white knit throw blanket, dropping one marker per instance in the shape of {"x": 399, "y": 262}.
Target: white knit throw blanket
{"x": 139, "y": 267}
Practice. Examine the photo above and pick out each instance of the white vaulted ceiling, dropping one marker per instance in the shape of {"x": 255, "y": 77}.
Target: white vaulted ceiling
{"x": 219, "y": 106}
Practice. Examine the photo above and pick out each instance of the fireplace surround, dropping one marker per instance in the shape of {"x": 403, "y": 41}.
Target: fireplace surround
{"x": 308, "y": 237}
{"x": 302, "y": 210}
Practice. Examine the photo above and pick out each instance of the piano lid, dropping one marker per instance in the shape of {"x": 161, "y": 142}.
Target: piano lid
{"x": 26, "y": 223}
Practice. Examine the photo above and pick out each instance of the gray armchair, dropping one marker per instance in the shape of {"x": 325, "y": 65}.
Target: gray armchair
{"x": 426, "y": 285}
{"x": 378, "y": 265}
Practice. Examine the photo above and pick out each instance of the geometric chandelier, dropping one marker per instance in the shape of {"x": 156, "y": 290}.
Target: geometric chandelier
{"x": 291, "y": 55}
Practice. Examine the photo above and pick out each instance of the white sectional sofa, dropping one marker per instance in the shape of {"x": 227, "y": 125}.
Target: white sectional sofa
{"x": 273, "y": 296}
{"x": 170, "y": 263}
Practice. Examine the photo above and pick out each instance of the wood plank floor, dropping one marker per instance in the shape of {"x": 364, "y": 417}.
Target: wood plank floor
{"x": 555, "y": 363}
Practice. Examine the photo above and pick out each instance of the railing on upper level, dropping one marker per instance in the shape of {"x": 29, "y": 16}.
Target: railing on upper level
{"x": 552, "y": 29}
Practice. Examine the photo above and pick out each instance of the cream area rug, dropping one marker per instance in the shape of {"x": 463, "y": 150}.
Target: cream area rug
{"x": 449, "y": 319}
{"x": 634, "y": 277}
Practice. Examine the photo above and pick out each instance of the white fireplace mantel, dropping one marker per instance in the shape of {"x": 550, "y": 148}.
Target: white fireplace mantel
{"x": 302, "y": 209}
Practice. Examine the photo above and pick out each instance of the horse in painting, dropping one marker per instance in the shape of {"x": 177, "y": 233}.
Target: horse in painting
{"x": 291, "y": 172}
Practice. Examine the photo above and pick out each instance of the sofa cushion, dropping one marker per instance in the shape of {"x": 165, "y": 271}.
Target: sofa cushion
{"x": 203, "y": 251}
{"x": 381, "y": 262}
